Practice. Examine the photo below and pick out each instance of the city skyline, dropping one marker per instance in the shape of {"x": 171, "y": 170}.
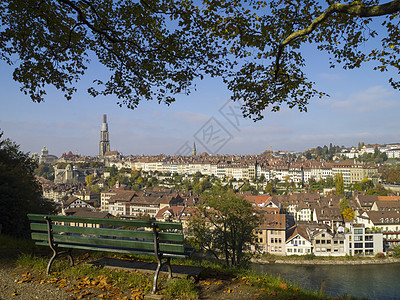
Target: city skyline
{"x": 362, "y": 108}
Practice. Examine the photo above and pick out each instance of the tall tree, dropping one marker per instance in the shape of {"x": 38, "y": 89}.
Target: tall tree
{"x": 339, "y": 184}
{"x": 343, "y": 205}
{"x": 20, "y": 193}
{"x": 225, "y": 223}
{"x": 153, "y": 49}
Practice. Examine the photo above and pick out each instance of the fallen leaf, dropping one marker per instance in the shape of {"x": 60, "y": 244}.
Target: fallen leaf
{"x": 283, "y": 286}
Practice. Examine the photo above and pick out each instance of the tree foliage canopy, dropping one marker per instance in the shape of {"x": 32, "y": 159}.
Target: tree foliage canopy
{"x": 20, "y": 193}
{"x": 225, "y": 224}
{"x": 155, "y": 49}
{"x": 339, "y": 184}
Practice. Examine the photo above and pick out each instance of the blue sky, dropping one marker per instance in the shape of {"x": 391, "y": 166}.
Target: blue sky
{"x": 362, "y": 107}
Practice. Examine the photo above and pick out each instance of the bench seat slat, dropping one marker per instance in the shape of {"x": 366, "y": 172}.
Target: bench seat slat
{"x": 113, "y": 250}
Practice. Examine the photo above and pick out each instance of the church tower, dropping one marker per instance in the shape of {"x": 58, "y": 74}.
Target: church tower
{"x": 194, "y": 151}
{"x": 104, "y": 138}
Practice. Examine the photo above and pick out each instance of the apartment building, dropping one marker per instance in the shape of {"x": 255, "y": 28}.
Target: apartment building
{"x": 363, "y": 241}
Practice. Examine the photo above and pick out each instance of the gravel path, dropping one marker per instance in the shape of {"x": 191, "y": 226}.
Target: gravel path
{"x": 11, "y": 289}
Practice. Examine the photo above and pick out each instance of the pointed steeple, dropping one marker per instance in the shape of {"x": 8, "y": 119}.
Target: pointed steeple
{"x": 194, "y": 151}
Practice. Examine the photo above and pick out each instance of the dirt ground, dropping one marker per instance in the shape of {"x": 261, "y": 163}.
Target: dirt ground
{"x": 20, "y": 283}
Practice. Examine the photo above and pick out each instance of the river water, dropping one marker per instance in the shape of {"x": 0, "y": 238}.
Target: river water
{"x": 368, "y": 281}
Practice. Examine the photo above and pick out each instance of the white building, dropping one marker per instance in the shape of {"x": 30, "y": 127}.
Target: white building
{"x": 363, "y": 241}
{"x": 298, "y": 241}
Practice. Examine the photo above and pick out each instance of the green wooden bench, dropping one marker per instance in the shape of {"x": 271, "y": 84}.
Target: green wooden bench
{"x": 160, "y": 239}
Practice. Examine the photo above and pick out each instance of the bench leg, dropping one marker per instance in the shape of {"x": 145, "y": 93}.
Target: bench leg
{"x": 159, "y": 266}
{"x": 71, "y": 259}
{"x": 168, "y": 263}
{"x": 55, "y": 254}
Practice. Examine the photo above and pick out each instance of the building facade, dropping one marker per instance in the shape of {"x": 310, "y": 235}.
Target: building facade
{"x": 363, "y": 241}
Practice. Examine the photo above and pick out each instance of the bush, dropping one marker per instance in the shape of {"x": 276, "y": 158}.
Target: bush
{"x": 380, "y": 255}
{"x": 396, "y": 251}
{"x": 309, "y": 256}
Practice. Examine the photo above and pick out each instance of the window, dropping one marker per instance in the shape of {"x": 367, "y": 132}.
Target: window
{"x": 323, "y": 241}
{"x": 323, "y": 235}
{"x": 260, "y": 240}
{"x": 328, "y": 241}
{"x": 272, "y": 241}
{"x": 358, "y": 231}
{"x": 280, "y": 240}
{"x": 358, "y": 238}
{"x": 349, "y": 245}
{"x": 341, "y": 242}
{"x": 335, "y": 242}
{"x": 358, "y": 245}
{"x": 369, "y": 245}
{"x": 317, "y": 241}
{"x": 369, "y": 238}
{"x": 289, "y": 250}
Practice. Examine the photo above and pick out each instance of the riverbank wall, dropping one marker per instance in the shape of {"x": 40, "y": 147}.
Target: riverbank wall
{"x": 327, "y": 261}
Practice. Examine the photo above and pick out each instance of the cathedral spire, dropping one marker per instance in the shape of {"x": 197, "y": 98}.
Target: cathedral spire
{"x": 104, "y": 138}
{"x": 194, "y": 151}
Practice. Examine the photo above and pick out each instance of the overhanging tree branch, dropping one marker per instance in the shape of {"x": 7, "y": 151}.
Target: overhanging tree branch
{"x": 356, "y": 9}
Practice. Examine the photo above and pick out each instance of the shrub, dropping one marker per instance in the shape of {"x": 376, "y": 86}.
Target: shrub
{"x": 309, "y": 256}
{"x": 396, "y": 251}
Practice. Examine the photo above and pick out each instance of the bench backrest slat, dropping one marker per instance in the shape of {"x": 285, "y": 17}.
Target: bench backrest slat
{"x": 109, "y": 222}
{"x": 111, "y": 232}
{"x": 104, "y": 242}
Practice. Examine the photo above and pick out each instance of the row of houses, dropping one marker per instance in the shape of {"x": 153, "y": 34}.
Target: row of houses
{"x": 316, "y": 239}
{"x": 309, "y": 223}
{"x": 299, "y": 171}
